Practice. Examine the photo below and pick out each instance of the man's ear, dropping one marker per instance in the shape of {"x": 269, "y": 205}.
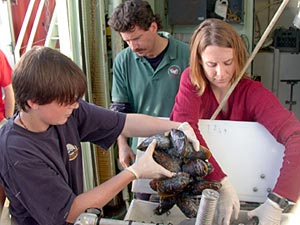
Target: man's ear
{"x": 153, "y": 26}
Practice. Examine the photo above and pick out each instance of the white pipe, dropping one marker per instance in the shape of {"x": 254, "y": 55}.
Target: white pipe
{"x": 23, "y": 30}
{"x": 35, "y": 25}
{"x": 52, "y": 26}
{"x": 256, "y": 49}
{"x": 63, "y": 28}
{"x": 12, "y": 34}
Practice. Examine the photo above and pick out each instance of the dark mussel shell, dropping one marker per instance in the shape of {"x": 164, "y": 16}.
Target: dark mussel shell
{"x": 191, "y": 153}
{"x": 164, "y": 159}
{"x": 162, "y": 142}
{"x": 153, "y": 184}
{"x": 196, "y": 187}
{"x": 179, "y": 142}
{"x": 174, "y": 185}
{"x": 175, "y": 153}
{"x": 196, "y": 167}
{"x": 210, "y": 167}
{"x": 187, "y": 206}
{"x": 165, "y": 204}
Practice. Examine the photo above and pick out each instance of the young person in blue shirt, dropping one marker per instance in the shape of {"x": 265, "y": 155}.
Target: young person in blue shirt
{"x": 40, "y": 146}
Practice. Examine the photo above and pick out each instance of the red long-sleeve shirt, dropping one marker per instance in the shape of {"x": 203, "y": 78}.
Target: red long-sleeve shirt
{"x": 249, "y": 101}
{"x": 5, "y": 79}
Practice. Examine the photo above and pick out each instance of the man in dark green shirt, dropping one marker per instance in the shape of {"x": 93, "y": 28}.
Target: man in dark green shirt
{"x": 146, "y": 74}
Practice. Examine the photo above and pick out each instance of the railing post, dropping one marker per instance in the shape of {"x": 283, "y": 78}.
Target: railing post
{"x": 35, "y": 25}
{"x": 23, "y": 30}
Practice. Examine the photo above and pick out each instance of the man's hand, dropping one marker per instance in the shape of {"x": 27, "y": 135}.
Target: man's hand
{"x": 228, "y": 206}
{"x": 268, "y": 213}
{"x": 191, "y": 136}
{"x": 146, "y": 167}
{"x": 126, "y": 155}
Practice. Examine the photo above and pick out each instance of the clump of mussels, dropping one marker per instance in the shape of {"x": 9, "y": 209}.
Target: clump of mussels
{"x": 174, "y": 152}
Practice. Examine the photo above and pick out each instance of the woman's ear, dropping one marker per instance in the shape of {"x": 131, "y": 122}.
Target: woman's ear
{"x": 200, "y": 61}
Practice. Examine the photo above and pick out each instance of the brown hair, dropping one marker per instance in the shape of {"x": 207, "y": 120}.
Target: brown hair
{"x": 218, "y": 33}
{"x": 133, "y": 13}
{"x": 44, "y": 75}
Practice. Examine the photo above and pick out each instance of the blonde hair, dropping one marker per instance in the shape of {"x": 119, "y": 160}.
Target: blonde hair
{"x": 218, "y": 33}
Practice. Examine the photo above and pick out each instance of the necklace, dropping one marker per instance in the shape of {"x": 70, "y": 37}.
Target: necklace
{"x": 21, "y": 121}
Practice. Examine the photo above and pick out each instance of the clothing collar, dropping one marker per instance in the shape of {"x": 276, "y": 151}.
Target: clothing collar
{"x": 172, "y": 49}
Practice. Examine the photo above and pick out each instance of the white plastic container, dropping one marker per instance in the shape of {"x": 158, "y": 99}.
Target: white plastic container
{"x": 246, "y": 151}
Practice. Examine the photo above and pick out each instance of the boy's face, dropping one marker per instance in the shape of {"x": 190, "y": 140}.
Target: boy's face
{"x": 54, "y": 113}
{"x": 141, "y": 41}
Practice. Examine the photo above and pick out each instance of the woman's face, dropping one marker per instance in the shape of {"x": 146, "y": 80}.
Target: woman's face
{"x": 219, "y": 66}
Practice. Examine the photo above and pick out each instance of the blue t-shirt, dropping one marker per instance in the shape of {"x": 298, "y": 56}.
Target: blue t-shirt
{"x": 42, "y": 172}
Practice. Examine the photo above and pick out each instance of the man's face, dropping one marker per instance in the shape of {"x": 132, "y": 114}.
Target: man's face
{"x": 141, "y": 41}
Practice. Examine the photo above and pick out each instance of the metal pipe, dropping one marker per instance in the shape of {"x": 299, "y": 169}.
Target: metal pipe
{"x": 12, "y": 33}
{"x": 92, "y": 216}
{"x": 35, "y": 25}
{"x": 207, "y": 207}
{"x": 23, "y": 30}
{"x": 257, "y": 47}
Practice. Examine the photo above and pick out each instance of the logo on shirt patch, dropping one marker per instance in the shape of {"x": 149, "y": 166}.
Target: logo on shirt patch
{"x": 174, "y": 71}
{"x": 72, "y": 151}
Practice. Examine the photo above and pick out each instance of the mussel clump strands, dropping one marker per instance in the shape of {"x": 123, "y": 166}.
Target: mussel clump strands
{"x": 174, "y": 152}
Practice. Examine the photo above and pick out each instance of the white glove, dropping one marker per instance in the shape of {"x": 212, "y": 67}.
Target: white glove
{"x": 268, "y": 213}
{"x": 191, "y": 136}
{"x": 228, "y": 206}
{"x": 146, "y": 167}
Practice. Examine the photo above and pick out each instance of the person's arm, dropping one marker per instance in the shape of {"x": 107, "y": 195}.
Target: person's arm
{"x": 265, "y": 108}
{"x": 6, "y": 77}
{"x": 2, "y": 198}
{"x": 126, "y": 154}
{"x": 145, "y": 167}
{"x": 9, "y": 101}
{"x": 140, "y": 125}
{"x": 285, "y": 128}
{"x": 100, "y": 195}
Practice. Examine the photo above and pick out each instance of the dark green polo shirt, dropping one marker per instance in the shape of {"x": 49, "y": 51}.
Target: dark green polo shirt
{"x": 149, "y": 91}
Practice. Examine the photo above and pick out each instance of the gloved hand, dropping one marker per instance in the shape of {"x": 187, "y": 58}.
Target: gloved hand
{"x": 228, "y": 205}
{"x": 189, "y": 132}
{"x": 146, "y": 167}
{"x": 268, "y": 213}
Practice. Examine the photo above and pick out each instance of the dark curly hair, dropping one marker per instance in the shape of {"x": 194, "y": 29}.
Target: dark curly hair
{"x": 133, "y": 13}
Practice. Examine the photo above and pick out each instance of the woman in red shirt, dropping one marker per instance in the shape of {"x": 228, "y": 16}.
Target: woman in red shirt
{"x": 218, "y": 55}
